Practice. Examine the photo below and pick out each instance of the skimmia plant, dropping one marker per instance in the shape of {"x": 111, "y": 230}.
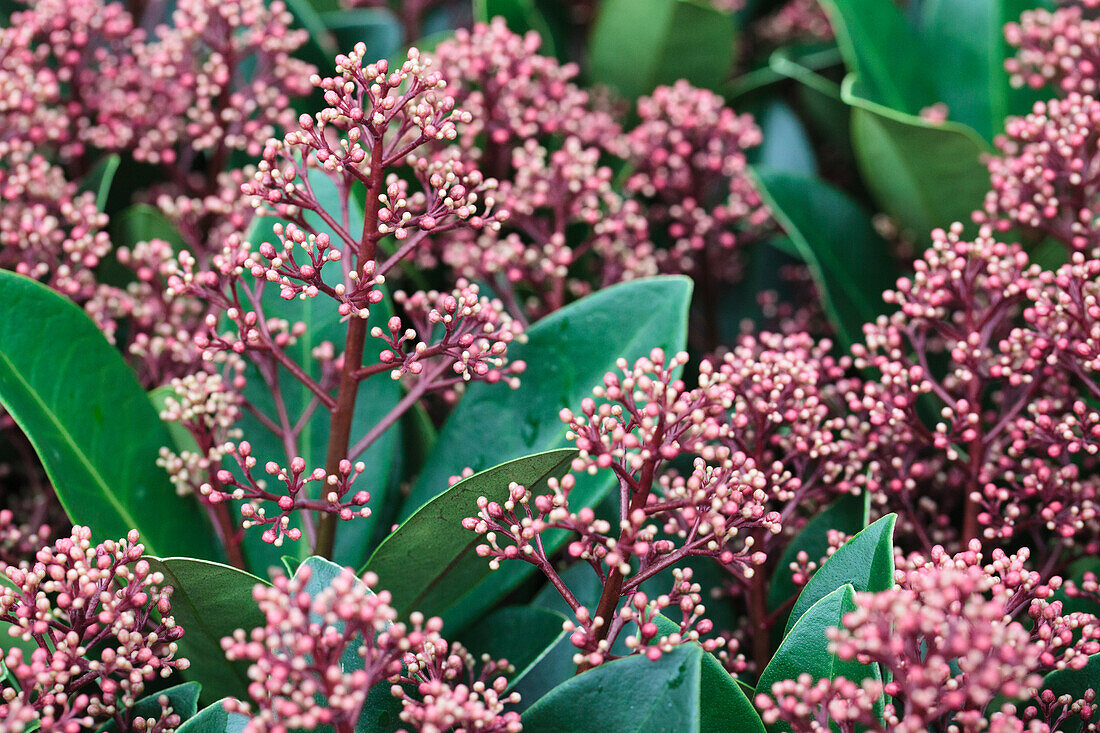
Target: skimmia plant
{"x": 539, "y": 366}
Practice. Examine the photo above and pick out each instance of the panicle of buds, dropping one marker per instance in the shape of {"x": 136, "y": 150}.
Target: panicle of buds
{"x": 301, "y": 678}
{"x": 101, "y": 620}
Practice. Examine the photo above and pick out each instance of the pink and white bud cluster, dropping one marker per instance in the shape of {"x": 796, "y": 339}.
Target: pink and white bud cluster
{"x": 948, "y": 649}
{"x": 1041, "y": 181}
{"x": 337, "y": 492}
{"x": 550, "y": 194}
{"x": 514, "y": 94}
{"x": 209, "y": 410}
{"x": 797, "y": 21}
{"x": 468, "y": 330}
{"x": 21, "y": 537}
{"x": 102, "y": 622}
{"x": 807, "y": 705}
{"x": 48, "y": 230}
{"x": 300, "y": 678}
{"x": 689, "y": 169}
{"x": 1059, "y": 46}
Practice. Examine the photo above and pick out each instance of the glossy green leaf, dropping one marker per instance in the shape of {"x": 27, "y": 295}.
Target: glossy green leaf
{"x": 377, "y": 396}
{"x": 567, "y": 354}
{"x": 964, "y": 40}
{"x": 805, "y": 648}
{"x": 144, "y": 223}
{"x": 94, "y": 429}
{"x": 924, "y": 174}
{"x": 378, "y": 28}
{"x": 847, "y": 514}
{"x": 866, "y": 562}
{"x": 523, "y": 635}
{"x": 428, "y": 564}
{"x": 214, "y": 719}
{"x": 1074, "y": 682}
{"x": 637, "y": 45}
{"x": 211, "y": 601}
{"x": 636, "y": 695}
{"x": 880, "y": 45}
{"x": 786, "y": 145}
{"x": 183, "y": 699}
{"x": 724, "y": 701}
{"x": 850, "y": 263}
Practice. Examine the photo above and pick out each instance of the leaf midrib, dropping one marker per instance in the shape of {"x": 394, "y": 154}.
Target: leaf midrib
{"x": 84, "y": 459}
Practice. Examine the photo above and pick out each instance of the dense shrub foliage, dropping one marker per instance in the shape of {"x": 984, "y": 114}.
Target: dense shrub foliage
{"x": 550, "y": 365}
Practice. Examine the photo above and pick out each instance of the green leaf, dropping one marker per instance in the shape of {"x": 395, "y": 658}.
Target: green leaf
{"x": 183, "y": 699}
{"x": 214, "y": 719}
{"x": 90, "y": 423}
{"x": 723, "y": 699}
{"x": 866, "y": 562}
{"x": 376, "y": 397}
{"x": 847, "y": 514}
{"x": 428, "y": 564}
{"x": 144, "y": 223}
{"x": 850, "y": 263}
{"x": 378, "y": 28}
{"x": 567, "y": 354}
{"x": 924, "y": 174}
{"x": 805, "y": 648}
{"x": 100, "y": 177}
{"x": 637, "y": 45}
{"x": 523, "y": 635}
{"x": 1074, "y": 682}
{"x": 635, "y": 694}
{"x": 211, "y": 601}
{"x": 878, "y": 44}
{"x": 786, "y": 145}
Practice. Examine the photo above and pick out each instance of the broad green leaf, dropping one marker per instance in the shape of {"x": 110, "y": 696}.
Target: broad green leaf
{"x": 377, "y": 396}
{"x": 90, "y": 423}
{"x": 183, "y": 699}
{"x": 144, "y": 223}
{"x": 850, "y": 263}
{"x": 635, "y": 694}
{"x": 214, "y": 719}
{"x": 866, "y": 562}
{"x": 847, "y": 514}
{"x": 880, "y": 46}
{"x": 723, "y": 699}
{"x": 378, "y": 28}
{"x": 924, "y": 174}
{"x": 321, "y": 48}
{"x": 1074, "y": 682}
{"x": 786, "y": 146}
{"x": 805, "y": 648}
{"x": 429, "y": 564}
{"x": 567, "y": 354}
{"x": 211, "y": 601}
{"x": 524, "y": 635}
{"x": 637, "y": 45}
{"x": 520, "y": 15}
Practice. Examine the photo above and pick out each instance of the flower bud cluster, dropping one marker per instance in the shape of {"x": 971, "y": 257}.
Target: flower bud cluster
{"x": 101, "y": 619}
{"x": 301, "y": 677}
